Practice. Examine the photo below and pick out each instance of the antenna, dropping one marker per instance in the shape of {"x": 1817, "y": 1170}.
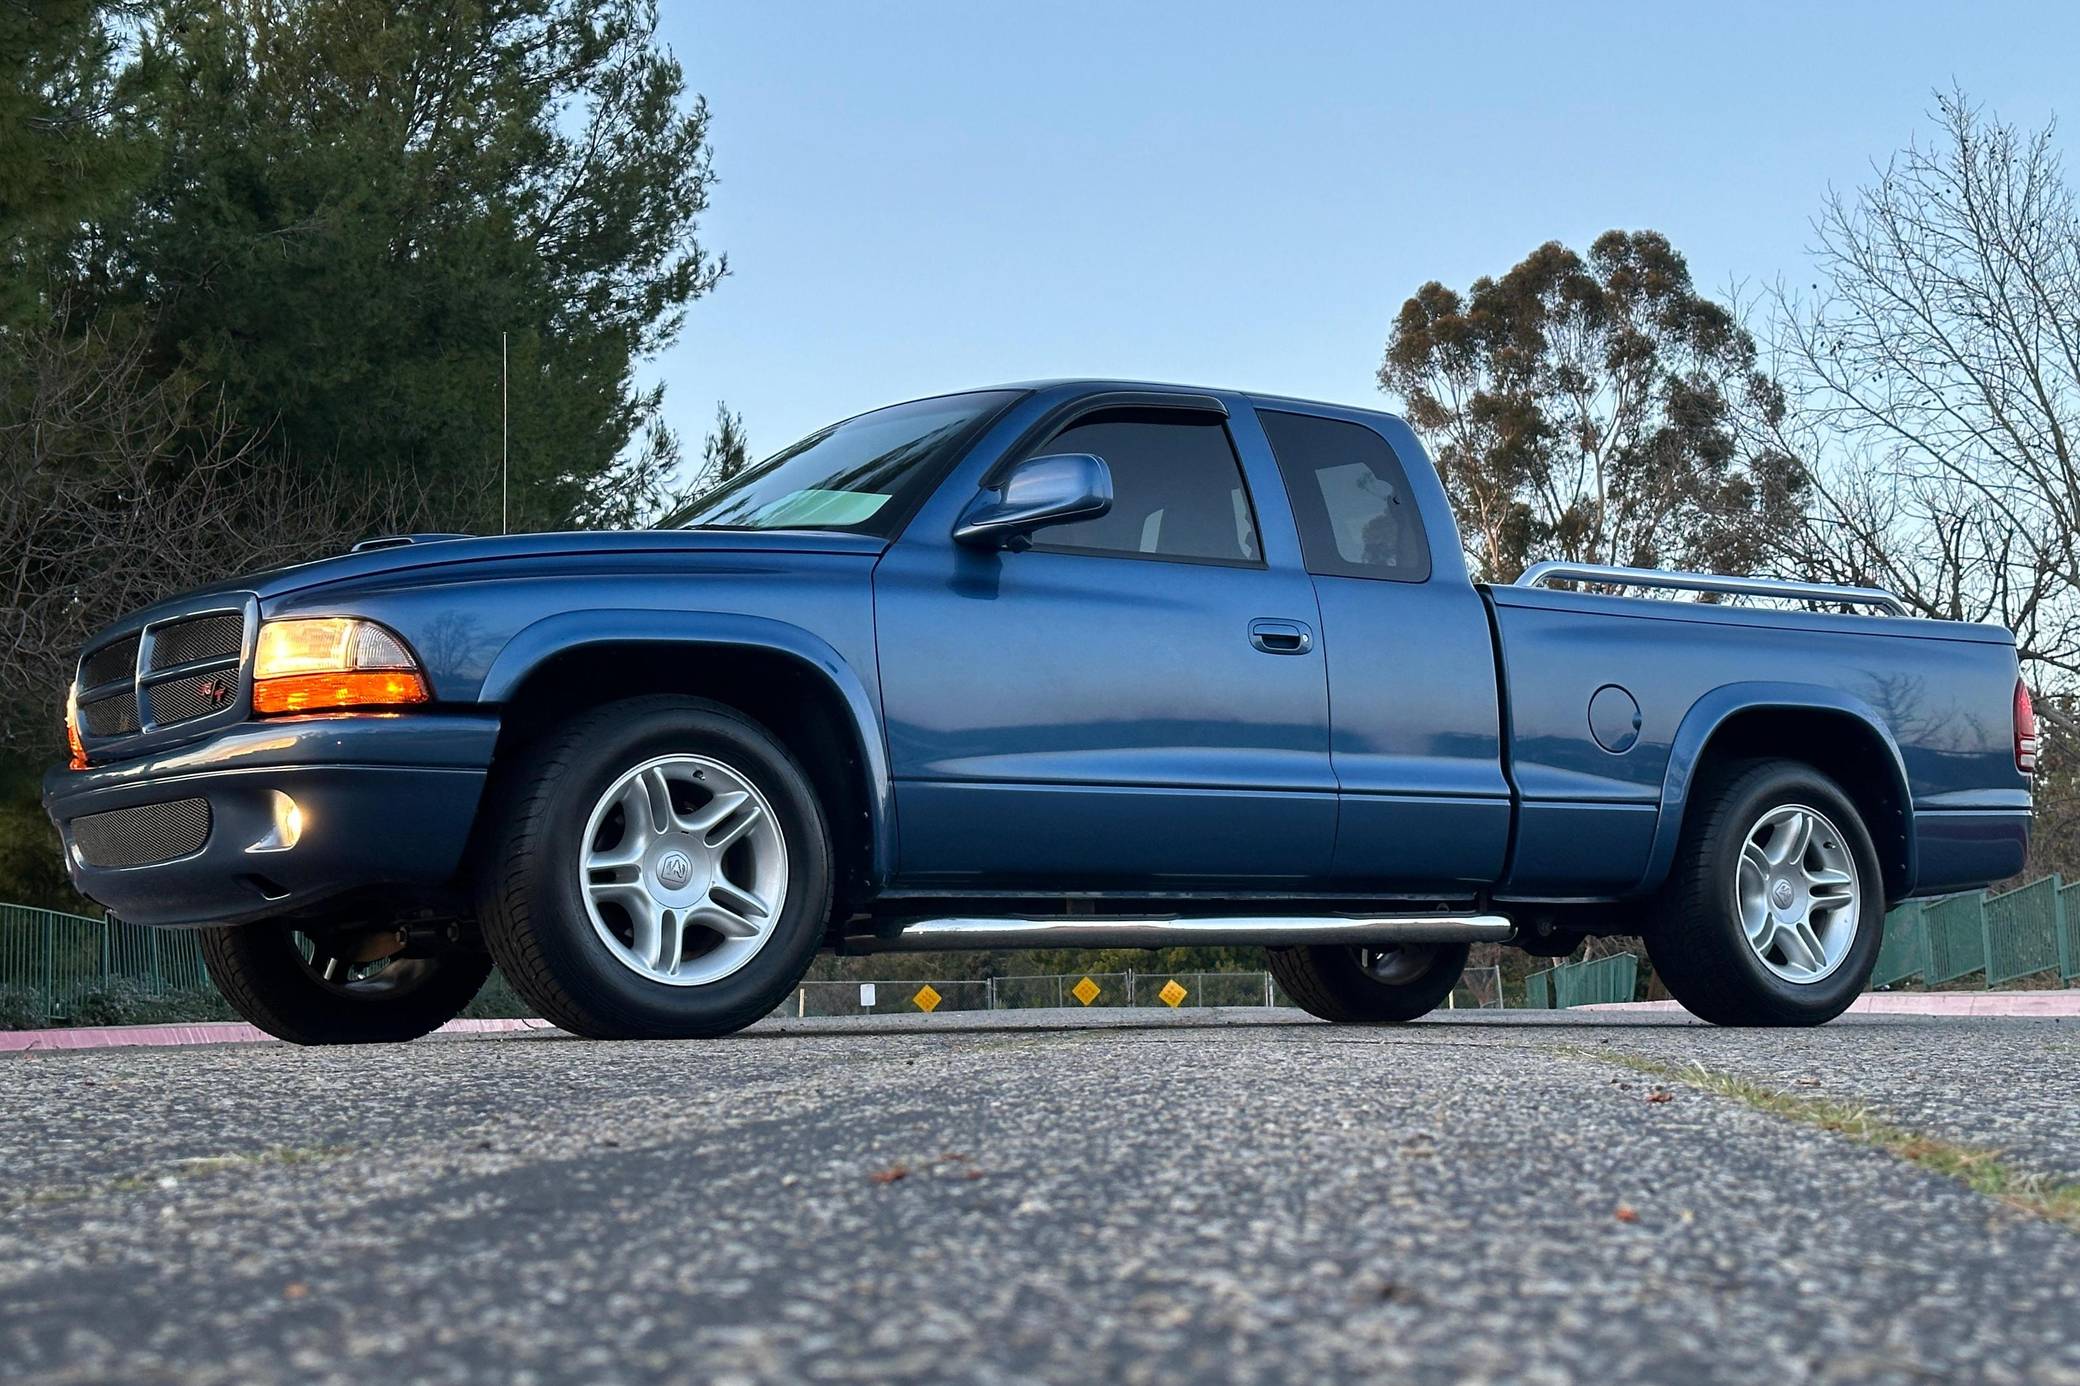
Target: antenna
{"x": 505, "y": 521}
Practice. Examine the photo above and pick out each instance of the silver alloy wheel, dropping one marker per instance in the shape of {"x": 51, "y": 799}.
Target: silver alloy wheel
{"x": 1797, "y": 894}
{"x": 684, "y": 869}
{"x": 1397, "y": 964}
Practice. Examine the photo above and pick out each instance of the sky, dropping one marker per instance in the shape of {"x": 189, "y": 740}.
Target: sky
{"x": 923, "y": 197}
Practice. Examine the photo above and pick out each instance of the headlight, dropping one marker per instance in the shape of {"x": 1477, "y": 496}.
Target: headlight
{"x": 332, "y": 663}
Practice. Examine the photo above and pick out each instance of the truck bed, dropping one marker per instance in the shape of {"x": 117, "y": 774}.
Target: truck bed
{"x": 1650, "y": 681}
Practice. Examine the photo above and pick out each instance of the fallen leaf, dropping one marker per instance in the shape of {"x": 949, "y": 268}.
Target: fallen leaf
{"x": 1626, "y": 1213}
{"x": 890, "y": 1175}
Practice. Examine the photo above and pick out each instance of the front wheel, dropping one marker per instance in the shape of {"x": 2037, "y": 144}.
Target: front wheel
{"x": 1775, "y": 905}
{"x": 338, "y": 987}
{"x": 659, "y": 868}
{"x": 1369, "y": 986}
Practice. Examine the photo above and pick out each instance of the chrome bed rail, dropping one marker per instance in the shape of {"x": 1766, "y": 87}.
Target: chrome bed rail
{"x": 1545, "y": 574}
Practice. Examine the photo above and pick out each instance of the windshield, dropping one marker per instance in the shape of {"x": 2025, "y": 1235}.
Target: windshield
{"x": 866, "y": 474}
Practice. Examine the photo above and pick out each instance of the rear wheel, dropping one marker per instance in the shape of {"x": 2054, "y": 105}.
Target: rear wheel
{"x": 1370, "y": 986}
{"x": 340, "y": 987}
{"x": 1774, "y": 908}
{"x": 658, "y": 868}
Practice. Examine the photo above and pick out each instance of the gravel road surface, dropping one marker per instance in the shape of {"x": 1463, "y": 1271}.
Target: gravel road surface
{"x": 1041, "y": 1196}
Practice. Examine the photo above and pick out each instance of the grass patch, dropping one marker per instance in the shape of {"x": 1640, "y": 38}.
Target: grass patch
{"x": 190, "y": 1168}
{"x": 1982, "y": 1171}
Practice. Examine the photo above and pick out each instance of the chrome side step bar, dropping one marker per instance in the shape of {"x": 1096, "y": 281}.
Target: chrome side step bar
{"x": 1173, "y": 931}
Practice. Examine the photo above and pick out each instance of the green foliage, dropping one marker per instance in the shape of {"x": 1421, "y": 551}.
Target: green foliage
{"x": 120, "y": 1001}
{"x": 496, "y": 1000}
{"x": 71, "y": 137}
{"x": 725, "y": 454}
{"x": 31, "y": 870}
{"x": 1599, "y": 410}
{"x": 23, "y": 1008}
{"x": 356, "y": 198}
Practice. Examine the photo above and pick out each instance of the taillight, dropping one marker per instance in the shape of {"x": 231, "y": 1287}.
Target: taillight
{"x": 2025, "y": 730}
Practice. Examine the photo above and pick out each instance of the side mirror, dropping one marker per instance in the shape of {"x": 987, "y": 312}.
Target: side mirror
{"x": 1038, "y": 491}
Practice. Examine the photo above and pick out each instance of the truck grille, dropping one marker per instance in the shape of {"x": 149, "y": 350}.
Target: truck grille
{"x": 118, "y": 661}
{"x": 198, "y": 695}
{"x": 142, "y": 836}
{"x": 205, "y": 637}
{"x": 175, "y": 671}
{"x": 115, "y": 716}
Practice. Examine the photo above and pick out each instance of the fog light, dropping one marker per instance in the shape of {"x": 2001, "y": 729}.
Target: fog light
{"x": 286, "y": 829}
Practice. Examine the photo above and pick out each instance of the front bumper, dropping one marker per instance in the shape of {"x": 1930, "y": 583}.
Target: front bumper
{"x": 384, "y": 801}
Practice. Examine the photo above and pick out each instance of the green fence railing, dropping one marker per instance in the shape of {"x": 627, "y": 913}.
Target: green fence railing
{"x": 2031, "y": 931}
{"x": 58, "y": 959}
{"x": 1904, "y": 952}
{"x": 1590, "y": 982}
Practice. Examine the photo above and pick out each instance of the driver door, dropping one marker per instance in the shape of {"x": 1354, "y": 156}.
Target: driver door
{"x": 1138, "y": 701}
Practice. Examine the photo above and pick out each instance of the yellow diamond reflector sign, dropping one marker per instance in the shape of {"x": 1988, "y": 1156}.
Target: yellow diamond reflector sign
{"x": 927, "y": 999}
{"x": 1085, "y": 991}
{"x": 1171, "y": 993}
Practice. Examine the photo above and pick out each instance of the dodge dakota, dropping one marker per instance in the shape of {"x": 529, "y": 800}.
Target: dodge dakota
{"x": 1078, "y": 663}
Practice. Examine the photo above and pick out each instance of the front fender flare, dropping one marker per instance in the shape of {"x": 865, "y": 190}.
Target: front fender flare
{"x": 566, "y": 631}
{"x": 1711, "y": 711}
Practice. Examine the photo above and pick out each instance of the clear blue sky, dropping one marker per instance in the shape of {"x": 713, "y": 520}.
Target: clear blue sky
{"x": 922, "y": 197}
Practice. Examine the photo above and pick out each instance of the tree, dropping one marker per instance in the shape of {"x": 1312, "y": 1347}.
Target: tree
{"x": 1933, "y": 373}
{"x": 726, "y": 452}
{"x": 358, "y": 197}
{"x": 1597, "y": 410}
{"x": 71, "y": 137}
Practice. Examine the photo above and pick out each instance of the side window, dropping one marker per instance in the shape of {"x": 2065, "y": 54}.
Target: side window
{"x": 1177, "y": 489}
{"x": 1351, "y": 500}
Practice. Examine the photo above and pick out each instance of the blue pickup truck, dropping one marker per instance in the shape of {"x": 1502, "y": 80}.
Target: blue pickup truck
{"x": 1080, "y": 663}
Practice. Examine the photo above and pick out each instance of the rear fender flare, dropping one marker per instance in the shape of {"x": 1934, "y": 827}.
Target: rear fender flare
{"x": 1710, "y": 712}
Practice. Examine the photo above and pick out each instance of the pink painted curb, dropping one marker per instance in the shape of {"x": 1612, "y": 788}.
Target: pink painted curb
{"x": 208, "y": 1032}
{"x": 2048, "y": 1004}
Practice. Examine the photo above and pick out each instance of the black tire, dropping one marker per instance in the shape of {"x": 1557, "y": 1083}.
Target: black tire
{"x": 1696, "y": 941}
{"x": 261, "y": 972}
{"x": 529, "y": 895}
{"x": 1333, "y": 982}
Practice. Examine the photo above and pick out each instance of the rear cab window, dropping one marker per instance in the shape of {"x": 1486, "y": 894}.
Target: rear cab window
{"x": 1350, "y": 498}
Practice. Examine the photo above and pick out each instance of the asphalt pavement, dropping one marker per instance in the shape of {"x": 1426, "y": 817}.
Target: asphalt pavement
{"x": 1047, "y": 1196}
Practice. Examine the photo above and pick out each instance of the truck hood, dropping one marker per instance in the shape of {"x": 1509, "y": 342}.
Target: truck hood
{"x": 431, "y": 552}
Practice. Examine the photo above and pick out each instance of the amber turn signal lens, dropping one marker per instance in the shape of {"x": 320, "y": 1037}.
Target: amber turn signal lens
{"x": 338, "y": 691}
{"x": 72, "y": 741}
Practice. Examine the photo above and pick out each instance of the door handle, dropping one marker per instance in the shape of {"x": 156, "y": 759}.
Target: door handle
{"x": 1281, "y": 637}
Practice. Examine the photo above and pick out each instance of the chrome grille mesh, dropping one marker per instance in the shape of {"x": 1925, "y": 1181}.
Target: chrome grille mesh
{"x": 198, "y": 695}
{"x": 142, "y": 836}
{"x": 205, "y": 637}
{"x": 115, "y": 716}
{"x": 117, "y": 661}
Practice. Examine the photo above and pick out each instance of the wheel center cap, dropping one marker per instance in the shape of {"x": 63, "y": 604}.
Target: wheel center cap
{"x": 677, "y": 874}
{"x": 1781, "y": 895}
